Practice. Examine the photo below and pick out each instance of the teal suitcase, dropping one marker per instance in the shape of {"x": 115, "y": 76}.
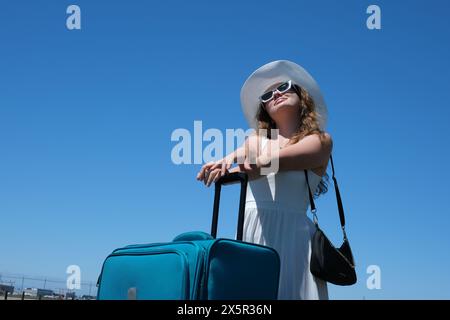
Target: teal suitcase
{"x": 194, "y": 266}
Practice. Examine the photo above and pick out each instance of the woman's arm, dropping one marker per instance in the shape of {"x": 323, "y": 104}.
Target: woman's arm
{"x": 212, "y": 171}
{"x": 308, "y": 153}
{"x": 250, "y": 146}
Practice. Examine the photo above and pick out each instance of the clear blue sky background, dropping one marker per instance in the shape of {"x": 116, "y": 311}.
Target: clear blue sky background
{"x": 86, "y": 119}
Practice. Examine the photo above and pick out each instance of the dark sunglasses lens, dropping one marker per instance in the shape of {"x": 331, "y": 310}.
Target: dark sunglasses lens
{"x": 283, "y": 87}
{"x": 267, "y": 96}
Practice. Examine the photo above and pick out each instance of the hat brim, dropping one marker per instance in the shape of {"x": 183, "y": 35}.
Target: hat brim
{"x": 274, "y": 72}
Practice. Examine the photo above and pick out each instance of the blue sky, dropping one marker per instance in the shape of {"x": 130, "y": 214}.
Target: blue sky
{"x": 86, "y": 118}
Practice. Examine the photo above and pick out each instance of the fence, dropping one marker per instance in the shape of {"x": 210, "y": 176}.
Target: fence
{"x": 20, "y": 286}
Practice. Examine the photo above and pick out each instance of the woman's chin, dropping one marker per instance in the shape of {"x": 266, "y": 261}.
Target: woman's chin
{"x": 280, "y": 107}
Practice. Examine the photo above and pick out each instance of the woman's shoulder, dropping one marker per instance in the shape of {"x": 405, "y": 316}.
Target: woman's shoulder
{"x": 327, "y": 138}
{"x": 324, "y": 138}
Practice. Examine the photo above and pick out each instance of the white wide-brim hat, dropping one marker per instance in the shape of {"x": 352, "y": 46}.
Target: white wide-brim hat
{"x": 275, "y": 72}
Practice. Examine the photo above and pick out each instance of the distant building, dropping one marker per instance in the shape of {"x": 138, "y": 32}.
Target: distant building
{"x": 32, "y": 292}
{"x": 5, "y": 288}
{"x": 36, "y": 292}
{"x": 70, "y": 295}
{"x": 45, "y": 292}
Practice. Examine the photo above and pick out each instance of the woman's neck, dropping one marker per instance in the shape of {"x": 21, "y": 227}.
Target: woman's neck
{"x": 287, "y": 130}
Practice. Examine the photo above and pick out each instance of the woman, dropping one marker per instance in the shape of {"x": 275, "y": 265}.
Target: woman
{"x": 281, "y": 95}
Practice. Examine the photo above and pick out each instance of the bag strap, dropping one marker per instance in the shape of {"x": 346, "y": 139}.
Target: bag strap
{"x": 338, "y": 199}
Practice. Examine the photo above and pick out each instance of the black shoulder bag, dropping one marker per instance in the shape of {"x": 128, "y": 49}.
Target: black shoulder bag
{"x": 334, "y": 265}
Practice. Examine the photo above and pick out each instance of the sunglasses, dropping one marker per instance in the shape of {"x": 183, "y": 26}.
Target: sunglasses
{"x": 282, "y": 88}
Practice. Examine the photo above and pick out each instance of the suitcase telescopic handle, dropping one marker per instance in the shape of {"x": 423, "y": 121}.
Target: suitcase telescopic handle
{"x": 224, "y": 180}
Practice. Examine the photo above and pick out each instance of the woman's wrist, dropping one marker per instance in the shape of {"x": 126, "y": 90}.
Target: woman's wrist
{"x": 231, "y": 158}
{"x": 263, "y": 161}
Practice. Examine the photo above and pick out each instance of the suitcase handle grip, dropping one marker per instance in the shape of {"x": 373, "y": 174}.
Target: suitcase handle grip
{"x": 224, "y": 180}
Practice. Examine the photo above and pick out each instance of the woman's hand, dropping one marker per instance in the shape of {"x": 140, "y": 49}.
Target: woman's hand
{"x": 248, "y": 158}
{"x": 253, "y": 170}
{"x": 212, "y": 171}
{"x": 211, "y": 176}
{"x": 252, "y": 160}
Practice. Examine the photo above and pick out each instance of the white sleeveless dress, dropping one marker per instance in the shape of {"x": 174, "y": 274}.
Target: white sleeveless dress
{"x": 275, "y": 216}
